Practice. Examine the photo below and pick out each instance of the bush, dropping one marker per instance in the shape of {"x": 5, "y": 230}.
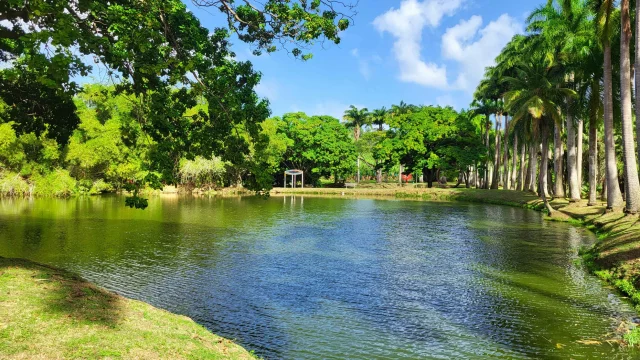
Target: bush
{"x": 56, "y": 183}
{"x": 202, "y": 172}
{"x": 99, "y": 187}
{"x": 12, "y": 184}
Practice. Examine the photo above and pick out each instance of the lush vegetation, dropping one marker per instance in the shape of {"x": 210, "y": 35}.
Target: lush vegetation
{"x": 181, "y": 110}
{"x": 176, "y": 91}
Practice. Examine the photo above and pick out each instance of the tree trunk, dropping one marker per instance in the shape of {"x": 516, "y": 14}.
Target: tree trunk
{"x": 533, "y": 168}
{"x": 549, "y": 187}
{"x": 544, "y": 168}
{"x": 505, "y": 161}
{"x": 521, "y": 171}
{"x": 400, "y": 174}
{"x": 637, "y": 76}
{"x": 496, "y": 157}
{"x": 614, "y": 196}
{"x": 572, "y": 158}
{"x": 358, "y": 163}
{"x": 514, "y": 165}
{"x": 558, "y": 157}
{"x": 379, "y": 176}
{"x": 579, "y": 147}
{"x": 485, "y": 184}
{"x": 593, "y": 160}
{"x": 632, "y": 183}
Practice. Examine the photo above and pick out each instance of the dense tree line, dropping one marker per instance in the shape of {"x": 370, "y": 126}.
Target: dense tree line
{"x": 572, "y": 66}
{"x": 189, "y": 95}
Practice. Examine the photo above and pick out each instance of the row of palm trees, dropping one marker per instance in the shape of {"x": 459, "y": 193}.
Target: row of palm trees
{"x": 355, "y": 118}
{"x": 546, "y": 84}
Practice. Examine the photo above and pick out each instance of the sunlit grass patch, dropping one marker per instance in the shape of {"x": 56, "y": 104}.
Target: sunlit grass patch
{"x": 49, "y": 313}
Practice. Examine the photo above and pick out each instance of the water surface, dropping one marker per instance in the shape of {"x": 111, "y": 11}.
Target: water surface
{"x": 308, "y": 278}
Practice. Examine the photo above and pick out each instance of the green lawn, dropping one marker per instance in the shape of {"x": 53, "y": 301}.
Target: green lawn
{"x": 47, "y": 313}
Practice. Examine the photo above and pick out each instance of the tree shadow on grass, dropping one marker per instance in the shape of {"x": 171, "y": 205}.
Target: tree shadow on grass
{"x": 66, "y": 294}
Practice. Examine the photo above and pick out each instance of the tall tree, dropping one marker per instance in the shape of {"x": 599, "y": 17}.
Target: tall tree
{"x": 631, "y": 181}
{"x": 605, "y": 25}
{"x": 379, "y": 117}
{"x": 355, "y": 119}
{"x": 537, "y": 90}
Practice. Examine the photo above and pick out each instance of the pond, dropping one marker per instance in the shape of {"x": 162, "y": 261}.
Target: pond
{"x": 333, "y": 278}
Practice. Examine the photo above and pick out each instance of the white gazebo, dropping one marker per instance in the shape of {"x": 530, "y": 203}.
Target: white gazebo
{"x": 293, "y": 173}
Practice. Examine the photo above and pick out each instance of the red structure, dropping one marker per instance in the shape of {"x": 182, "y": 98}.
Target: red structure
{"x": 407, "y": 178}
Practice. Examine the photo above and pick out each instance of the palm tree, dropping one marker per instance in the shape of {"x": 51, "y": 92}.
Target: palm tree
{"x": 484, "y": 107}
{"x": 605, "y": 27}
{"x": 637, "y": 71}
{"x": 355, "y": 119}
{"x": 400, "y": 109}
{"x": 537, "y": 90}
{"x": 379, "y": 117}
{"x": 566, "y": 33}
{"x": 631, "y": 181}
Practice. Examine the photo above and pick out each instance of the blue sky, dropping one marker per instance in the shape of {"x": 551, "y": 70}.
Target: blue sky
{"x": 420, "y": 51}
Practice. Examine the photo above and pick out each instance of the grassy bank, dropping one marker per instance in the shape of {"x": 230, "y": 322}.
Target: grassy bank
{"x": 615, "y": 257}
{"x": 47, "y": 313}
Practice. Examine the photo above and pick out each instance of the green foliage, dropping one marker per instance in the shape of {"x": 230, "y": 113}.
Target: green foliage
{"x": 12, "y": 184}
{"x": 57, "y": 183}
{"x": 318, "y": 145}
{"x": 430, "y": 138}
{"x": 202, "y": 172}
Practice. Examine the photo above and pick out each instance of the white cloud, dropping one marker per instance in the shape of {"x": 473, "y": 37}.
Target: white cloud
{"x": 466, "y": 47}
{"x": 364, "y": 66}
{"x": 406, "y": 25}
{"x": 268, "y": 88}
{"x": 474, "y": 56}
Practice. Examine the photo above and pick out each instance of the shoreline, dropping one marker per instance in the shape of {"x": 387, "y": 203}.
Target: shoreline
{"x": 52, "y": 313}
{"x": 614, "y": 258}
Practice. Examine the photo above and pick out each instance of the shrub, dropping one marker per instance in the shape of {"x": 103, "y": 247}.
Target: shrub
{"x": 99, "y": 187}
{"x": 202, "y": 172}
{"x": 12, "y": 184}
{"x": 55, "y": 183}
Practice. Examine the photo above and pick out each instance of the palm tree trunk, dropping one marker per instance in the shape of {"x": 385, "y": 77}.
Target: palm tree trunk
{"x": 593, "y": 159}
{"x": 400, "y": 174}
{"x": 533, "y": 167}
{"x": 505, "y": 161}
{"x": 549, "y": 187}
{"x": 521, "y": 171}
{"x": 558, "y": 157}
{"x": 544, "y": 167}
{"x": 485, "y": 185}
{"x": 637, "y": 76}
{"x": 572, "y": 158}
{"x": 614, "y": 196}
{"x": 579, "y": 147}
{"x": 496, "y": 156}
{"x": 514, "y": 165}
{"x": 632, "y": 183}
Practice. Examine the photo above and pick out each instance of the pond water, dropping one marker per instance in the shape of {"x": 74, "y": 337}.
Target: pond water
{"x": 307, "y": 278}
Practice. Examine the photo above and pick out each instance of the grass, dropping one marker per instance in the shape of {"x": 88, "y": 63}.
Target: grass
{"x": 47, "y": 313}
